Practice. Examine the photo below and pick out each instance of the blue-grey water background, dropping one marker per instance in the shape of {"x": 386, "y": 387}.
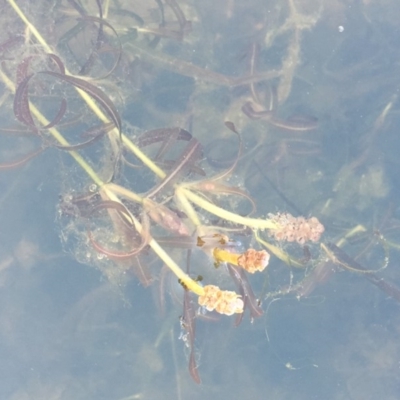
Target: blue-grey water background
{"x": 68, "y": 332}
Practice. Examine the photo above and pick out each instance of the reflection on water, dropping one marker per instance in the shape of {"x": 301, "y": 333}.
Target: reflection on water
{"x": 114, "y": 145}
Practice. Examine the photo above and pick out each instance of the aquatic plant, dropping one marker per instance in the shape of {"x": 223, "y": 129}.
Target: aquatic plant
{"x": 68, "y": 84}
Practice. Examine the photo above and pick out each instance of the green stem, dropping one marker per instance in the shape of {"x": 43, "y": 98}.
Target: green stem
{"x": 124, "y": 192}
{"x": 188, "y": 282}
{"x": 89, "y": 101}
{"x": 253, "y": 223}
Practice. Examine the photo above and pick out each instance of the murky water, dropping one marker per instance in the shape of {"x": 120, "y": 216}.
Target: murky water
{"x": 114, "y": 141}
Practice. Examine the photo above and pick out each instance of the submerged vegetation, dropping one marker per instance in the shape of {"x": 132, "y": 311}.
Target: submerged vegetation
{"x": 84, "y": 79}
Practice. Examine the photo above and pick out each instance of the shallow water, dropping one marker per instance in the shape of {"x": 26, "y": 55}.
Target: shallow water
{"x": 75, "y": 325}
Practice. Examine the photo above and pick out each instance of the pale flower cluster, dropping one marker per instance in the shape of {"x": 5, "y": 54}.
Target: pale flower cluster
{"x": 253, "y": 260}
{"x": 222, "y": 301}
{"x": 296, "y": 229}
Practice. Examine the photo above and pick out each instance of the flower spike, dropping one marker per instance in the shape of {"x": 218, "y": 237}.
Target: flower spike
{"x": 222, "y": 301}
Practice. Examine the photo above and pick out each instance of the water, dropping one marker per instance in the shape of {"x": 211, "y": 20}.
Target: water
{"x": 79, "y": 319}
